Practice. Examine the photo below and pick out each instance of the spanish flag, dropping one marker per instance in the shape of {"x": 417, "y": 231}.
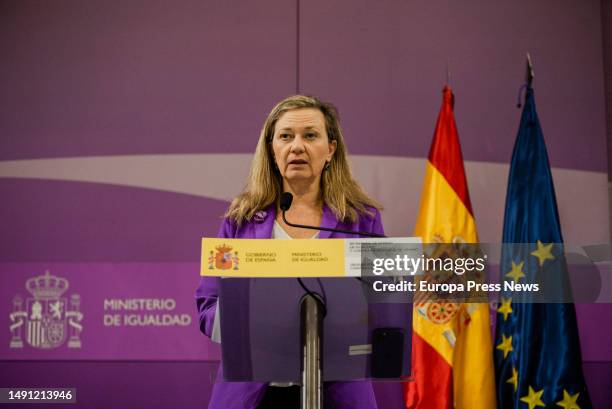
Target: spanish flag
{"x": 452, "y": 359}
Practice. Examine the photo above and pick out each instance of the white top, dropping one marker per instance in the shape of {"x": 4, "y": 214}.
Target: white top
{"x": 279, "y": 233}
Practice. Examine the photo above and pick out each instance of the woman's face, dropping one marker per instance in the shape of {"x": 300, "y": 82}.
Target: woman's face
{"x": 301, "y": 146}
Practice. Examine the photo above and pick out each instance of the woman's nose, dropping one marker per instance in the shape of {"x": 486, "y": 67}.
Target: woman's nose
{"x": 297, "y": 146}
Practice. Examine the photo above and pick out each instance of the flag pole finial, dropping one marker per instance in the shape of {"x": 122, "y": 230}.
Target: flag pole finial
{"x": 530, "y": 73}
{"x": 528, "y": 80}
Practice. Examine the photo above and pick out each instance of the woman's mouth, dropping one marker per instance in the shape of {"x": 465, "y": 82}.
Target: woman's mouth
{"x": 298, "y": 162}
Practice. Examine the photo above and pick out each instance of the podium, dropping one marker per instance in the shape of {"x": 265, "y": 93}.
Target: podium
{"x": 307, "y": 331}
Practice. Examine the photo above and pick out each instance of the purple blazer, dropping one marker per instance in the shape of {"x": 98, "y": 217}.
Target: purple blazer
{"x": 247, "y": 395}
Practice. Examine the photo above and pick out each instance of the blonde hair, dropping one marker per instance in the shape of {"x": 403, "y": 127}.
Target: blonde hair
{"x": 342, "y": 194}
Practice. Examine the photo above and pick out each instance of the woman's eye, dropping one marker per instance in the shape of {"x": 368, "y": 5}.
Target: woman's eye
{"x": 311, "y": 135}
{"x": 284, "y": 136}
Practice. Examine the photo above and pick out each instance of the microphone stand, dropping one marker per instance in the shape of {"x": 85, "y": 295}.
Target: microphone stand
{"x": 303, "y": 226}
{"x": 311, "y": 331}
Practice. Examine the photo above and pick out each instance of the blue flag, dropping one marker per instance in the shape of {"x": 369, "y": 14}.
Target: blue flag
{"x": 537, "y": 350}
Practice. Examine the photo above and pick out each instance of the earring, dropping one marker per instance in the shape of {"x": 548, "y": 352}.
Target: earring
{"x": 327, "y": 165}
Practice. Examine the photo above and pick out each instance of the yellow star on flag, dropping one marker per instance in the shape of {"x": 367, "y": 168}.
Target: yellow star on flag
{"x": 516, "y": 273}
{"x": 543, "y": 253}
{"x": 505, "y": 345}
{"x": 569, "y": 401}
{"x": 513, "y": 380}
{"x": 505, "y": 308}
{"x": 533, "y": 398}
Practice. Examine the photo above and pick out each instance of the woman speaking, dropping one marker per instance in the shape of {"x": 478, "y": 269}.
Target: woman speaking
{"x": 300, "y": 150}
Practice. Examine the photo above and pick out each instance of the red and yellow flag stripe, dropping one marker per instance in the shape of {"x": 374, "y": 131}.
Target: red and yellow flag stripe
{"x": 452, "y": 356}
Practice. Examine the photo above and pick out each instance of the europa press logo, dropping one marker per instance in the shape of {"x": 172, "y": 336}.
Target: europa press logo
{"x": 46, "y": 317}
{"x": 223, "y": 259}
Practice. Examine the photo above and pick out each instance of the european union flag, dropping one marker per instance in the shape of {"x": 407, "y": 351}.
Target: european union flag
{"x": 537, "y": 349}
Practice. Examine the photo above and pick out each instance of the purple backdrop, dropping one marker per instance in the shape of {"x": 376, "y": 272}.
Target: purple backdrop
{"x": 95, "y": 78}
{"x": 112, "y": 311}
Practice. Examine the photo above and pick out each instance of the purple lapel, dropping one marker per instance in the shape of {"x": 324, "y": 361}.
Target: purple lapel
{"x": 263, "y": 222}
{"x": 327, "y": 220}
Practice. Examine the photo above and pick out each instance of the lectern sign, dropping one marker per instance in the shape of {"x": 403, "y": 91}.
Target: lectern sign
{"x": 288, "y": 258}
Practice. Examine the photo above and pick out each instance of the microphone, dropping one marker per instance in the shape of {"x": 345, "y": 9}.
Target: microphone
{"x": 285, "y": 203}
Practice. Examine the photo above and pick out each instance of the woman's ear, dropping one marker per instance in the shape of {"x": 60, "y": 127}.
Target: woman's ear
{"x": 333, "y": 145}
